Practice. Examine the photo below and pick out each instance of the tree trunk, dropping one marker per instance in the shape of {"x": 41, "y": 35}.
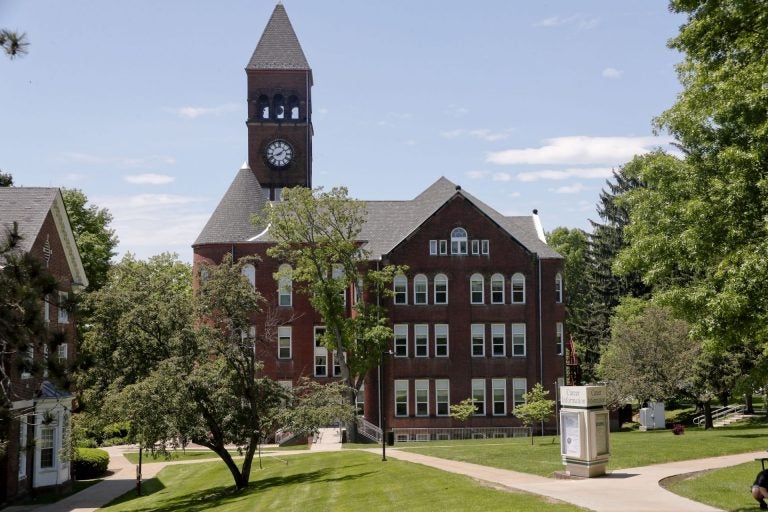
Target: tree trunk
{"x": 708, "y": 415}
{"x": 750, "y": 405}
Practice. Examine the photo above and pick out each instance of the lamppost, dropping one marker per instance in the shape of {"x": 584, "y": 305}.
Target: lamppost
{"x": 382, "y": 411}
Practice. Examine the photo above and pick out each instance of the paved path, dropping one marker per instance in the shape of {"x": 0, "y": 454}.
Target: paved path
{"x": 630, "y": 489}
{"x": 327, "y": 440}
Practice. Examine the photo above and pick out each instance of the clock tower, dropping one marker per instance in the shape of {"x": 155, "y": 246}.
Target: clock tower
{"x": 279, "y": 109}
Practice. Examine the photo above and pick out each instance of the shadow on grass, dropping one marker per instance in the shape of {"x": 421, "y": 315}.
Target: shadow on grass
{"x": 224, "y": 495}
{"x": 747, "y": 436}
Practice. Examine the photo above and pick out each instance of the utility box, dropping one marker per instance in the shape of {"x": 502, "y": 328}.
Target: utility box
{"x": 584, "y": 430}
{"x": 652, "y": 417}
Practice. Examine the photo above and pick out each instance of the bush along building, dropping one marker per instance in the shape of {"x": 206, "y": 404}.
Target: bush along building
{"x": 479, "y": 313}
{"x": 37, "y": 406}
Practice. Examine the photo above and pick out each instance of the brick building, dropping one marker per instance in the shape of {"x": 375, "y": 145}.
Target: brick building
{"x": 480, "y": 313}
{"x": 40, "y": 410}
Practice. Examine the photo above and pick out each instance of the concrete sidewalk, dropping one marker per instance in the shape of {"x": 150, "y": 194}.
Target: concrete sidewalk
{"x": 630, "y": 489}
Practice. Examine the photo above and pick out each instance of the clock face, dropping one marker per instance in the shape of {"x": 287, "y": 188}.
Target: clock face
{"x": 279, "y": 153}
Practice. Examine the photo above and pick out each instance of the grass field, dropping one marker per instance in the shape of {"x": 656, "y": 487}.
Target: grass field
{"x": 726, "y": 489}
{"x": 179, "y": 455}
{"x": 339, "y": 481}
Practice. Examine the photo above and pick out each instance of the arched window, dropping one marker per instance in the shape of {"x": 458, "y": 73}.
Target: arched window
{"x": 263, "y": 107}
{"x": 293, "y": 107}
{"x": 249, "y": 271}
{"x": 420, "y": 289}
{"x": 476, "y": 289}
{"x": 400, "y": 285}
{"x": 459, "y": 241}
{"x": 497, "y": 289}
{"x": 285, "y": 285}
{"x": 441, "y": 289}
{"x": 518, "y": 288}
{"x": 558, "y": 288}
{"x": 279, "y": 103}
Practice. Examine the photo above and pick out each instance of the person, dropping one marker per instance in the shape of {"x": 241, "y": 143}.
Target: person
{"x": 760, "y": 488}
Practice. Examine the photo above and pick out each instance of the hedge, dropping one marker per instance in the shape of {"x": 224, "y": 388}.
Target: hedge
{"x": 90, "y": 463}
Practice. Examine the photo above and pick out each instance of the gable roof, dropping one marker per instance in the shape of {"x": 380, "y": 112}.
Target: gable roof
{"x": 390, "y": 222}
{"x": 278, "y": 47}
{"x": 28, "y": 207}
{"x": 231, "y": 221}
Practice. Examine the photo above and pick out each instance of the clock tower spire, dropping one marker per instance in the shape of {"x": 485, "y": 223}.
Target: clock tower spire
{"x": 279, "y": 108}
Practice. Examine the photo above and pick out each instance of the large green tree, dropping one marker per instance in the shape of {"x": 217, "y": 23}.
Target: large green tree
{"x": 317, "y": 233}
{"x": 95, "y": 240}
{"x": 13, "y": 43}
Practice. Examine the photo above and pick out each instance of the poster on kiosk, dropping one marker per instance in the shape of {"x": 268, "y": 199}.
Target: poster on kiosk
{"x": 584, "y": 429}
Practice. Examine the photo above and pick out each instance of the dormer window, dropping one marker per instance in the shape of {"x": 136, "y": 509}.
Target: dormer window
{"x": 459, "y": 241}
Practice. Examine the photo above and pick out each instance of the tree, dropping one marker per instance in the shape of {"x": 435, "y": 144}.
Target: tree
{"x": 314, "y": 405}
{"x": 6, "y": 180}
{"x": 650, "y": 355}
{"x": 317, "y": 233}
{"x": 464, "y": 410}
{"x": 13, "y": 43}
{"x": 95, "y": 240}
{"x": 537, "y": 407}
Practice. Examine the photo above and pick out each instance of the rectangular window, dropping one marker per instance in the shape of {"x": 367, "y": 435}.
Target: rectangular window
{"x": 499, "y": 390}
{"x": 497, "y": 289}
{"x": 321, "y": 353}
{"x": 337, "y": 366}
{"x": 401, "y": 340}
{"x": 443, "y": 247}
{"x": 476, "y": 290}
{"x": 284, "y": 296}
{"x": 441, "y": 340}
{"x": 28, "y": 360}
{"x": 559, "y": 338}
{"x": 518, "y": 390}
{"x": 422, "y": 397}
{"x": 62, "y": 353}
{"x": 478, "y": 396}
{"x": 421, "y": 340}
{"x": 22, "y": 447}
{"x": 478, "y": 340}
{"x": 433, "y": 247}
{"x": 63, "y": 314}
{"x": 360, "y": 401}
{"x": 498, "y": 340}
{"x": 441, "y": 289}
{"x": 401, "y": 289}
{"x": 47, "y": 451}
{"x": 475, "y": 246}
{"x": 420, "y": 289}
{"x": 284, "y": 342}
{"x": 47, "y": 308}
{"x": 401, "y": 398}
{"x": 518, "y": 339}
{"x": 443, "y": 397}
{"x": 485, "y": 247}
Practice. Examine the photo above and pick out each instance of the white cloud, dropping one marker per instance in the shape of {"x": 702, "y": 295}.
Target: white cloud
{"x": 580, "y": 21}
{"x": 612, "y": 73}
{"x": 477, "y": 175}
{"x": 579, "y": 150}
{"x": 569, "y": 189}
{"x": 190, "y": 112}
{"x": 583, "y": 173}
{"x": 502, "y": 176}
{"x": 149, "y": 179}
{"x": 91, "y": 159}
{"x": 479, "y": 133}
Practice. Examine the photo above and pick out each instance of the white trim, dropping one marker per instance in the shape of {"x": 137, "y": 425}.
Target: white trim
{"x": 64, "y": 229}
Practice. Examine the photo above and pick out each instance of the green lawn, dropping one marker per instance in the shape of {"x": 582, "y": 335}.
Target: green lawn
{"x": 340, "y": 481}
{"x": 726, "y": 489}
{"x": 179, "y": 455}
{"x": 628, "y": 449}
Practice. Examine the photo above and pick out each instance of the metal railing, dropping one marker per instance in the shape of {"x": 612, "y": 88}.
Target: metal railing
{"x": 283, "y": 436}
{"x": 720, "y": 413}
{"x": 368, "y": 429}
{"x": 405, "y": 435}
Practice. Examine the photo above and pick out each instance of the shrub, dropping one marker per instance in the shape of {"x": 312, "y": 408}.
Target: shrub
{"x": 90, "y": 463}
{"x": 119, "y": 429}
{"x": 87, "y": 443}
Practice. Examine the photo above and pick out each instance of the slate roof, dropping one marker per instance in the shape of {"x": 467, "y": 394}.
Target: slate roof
{"x": 231, "y": 221}
{"x": 28, "y": 206}
{"x": 278, "y": 47}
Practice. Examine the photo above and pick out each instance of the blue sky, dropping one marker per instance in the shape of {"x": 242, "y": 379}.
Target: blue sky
{"x": 526, "y": 105}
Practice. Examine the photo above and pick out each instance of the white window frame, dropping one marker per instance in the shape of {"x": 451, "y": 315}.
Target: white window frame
{"x": 47, "y": 309}
{"x": 477, "y": 333}
{"x": 499, "y": 385}
{"x": 459, "y": 239}
{"x": 440, "y": 287}
{"x": 518, "y": 340}
{"x": 498, "y": 340}
{"x": 478, "y": 396}
{"x": 476, "y": 296}
{"x": 442, "y": 397}
{"x": 338, "y": 273}
{"x": 421, "y": 340}
{"x": 421, "y": 396}
{"x": 320, "y": 352}
{"x": 519, "y": 388}
{"x": 401, "y": 398}
{"x": 62, "y": 353}
{"x": 336, "y": 365}
{"x": 485, "y": 247}
{"x": 400, "y": 341}
{"x": 249, "y": 271}
{"x": 433, "y": 247}
{"x": 63, "y": 314}
{"x": 518, "y": 288}
{"x": 441, "y": 333}
{"x": 47, "y": 442}
{"x": 475, "y": 246}
{"x": 559, "y": 338}
{"x": 443, "y": 247}
{"x": 284, "y": 341}
{"x": 360, "y": 400}
{"x": 420, "y": 290}
{"x": 400, "y": 287}
{"x": 558, "y": 288}
{"x": 497, "y": 289}
{"x": 23, "y": 447}
{"x": 285, "y": 286}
